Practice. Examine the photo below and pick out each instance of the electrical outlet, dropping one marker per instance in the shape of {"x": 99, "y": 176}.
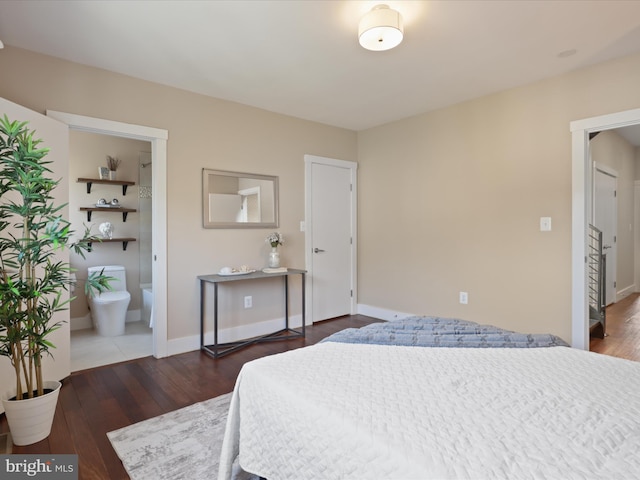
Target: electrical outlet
{"x": 545, "y": 224}
{"x": 464, "y": 298}
{"x": 248, "y": 302}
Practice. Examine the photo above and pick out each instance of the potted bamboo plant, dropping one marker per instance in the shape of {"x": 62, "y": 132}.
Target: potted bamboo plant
{"x": 32, "y": 279}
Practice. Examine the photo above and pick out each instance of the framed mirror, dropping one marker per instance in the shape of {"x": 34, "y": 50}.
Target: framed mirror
{"x": 239, "y": 200}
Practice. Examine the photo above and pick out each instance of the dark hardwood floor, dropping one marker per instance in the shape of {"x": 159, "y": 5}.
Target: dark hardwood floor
{"x": 623, "y": 330}
{"x": 96, "y": 401}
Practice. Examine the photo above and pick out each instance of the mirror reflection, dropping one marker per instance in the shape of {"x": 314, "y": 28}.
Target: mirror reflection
{"x": 237, "y": 200}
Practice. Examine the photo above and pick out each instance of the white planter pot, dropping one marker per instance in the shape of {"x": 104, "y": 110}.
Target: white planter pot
{"x": 30, "y": 420}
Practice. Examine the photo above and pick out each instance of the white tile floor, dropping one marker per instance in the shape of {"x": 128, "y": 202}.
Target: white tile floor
{"x": 89, "y": 350}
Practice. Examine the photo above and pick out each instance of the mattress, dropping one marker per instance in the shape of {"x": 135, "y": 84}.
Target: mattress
{"x": 367, "y": 411}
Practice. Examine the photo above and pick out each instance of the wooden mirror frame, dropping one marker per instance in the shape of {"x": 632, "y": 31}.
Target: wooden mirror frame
{"x": 237, "y": 182}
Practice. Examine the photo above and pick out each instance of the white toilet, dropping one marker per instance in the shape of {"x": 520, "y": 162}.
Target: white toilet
{"x": 109, "y": 309}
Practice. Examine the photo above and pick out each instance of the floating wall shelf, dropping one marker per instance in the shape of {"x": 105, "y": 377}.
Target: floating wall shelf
{"x": 124, "y": 211}
{"x": 91, "y": 181}
{"x": 125, "y": 241}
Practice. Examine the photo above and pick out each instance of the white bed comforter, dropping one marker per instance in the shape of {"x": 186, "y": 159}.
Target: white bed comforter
{"x": 349, "y": 411}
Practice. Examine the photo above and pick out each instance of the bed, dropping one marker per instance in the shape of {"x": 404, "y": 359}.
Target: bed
{"x": 426, "y": 397}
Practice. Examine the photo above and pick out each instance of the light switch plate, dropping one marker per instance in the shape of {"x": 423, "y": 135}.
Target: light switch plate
{"x": 545, "y": 224}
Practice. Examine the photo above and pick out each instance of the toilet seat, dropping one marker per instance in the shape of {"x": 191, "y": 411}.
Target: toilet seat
{"x": 111, "y": 297}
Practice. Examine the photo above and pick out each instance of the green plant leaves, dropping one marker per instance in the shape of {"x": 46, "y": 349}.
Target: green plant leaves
{"x": 32, "y": 230}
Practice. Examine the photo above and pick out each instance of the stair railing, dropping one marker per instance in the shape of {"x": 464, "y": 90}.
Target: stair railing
{"x": 596, "y": 270}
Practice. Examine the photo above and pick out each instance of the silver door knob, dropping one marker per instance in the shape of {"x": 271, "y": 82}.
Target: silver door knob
{"x": 317, "y": 250}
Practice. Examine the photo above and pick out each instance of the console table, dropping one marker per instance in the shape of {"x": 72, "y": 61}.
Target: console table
{"x": 219, "y": 349}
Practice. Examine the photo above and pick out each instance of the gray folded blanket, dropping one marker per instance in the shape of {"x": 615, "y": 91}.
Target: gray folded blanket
{"x": 443, "y": 332}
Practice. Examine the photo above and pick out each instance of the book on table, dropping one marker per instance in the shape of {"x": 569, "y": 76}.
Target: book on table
{"x": 274, "y": 270}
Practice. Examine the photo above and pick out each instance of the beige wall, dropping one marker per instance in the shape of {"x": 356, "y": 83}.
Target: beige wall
{"x": 450, "y": 201}
{"x": 611, "y": 150}
{"x": 203, "y": 132}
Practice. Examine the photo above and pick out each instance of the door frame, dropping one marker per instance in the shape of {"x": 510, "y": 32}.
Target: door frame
{"x": 582, "y": 195}
{"x": 309, "y": 160}
{"x": 636, "y": 233}
{"x": 158, "y": 139}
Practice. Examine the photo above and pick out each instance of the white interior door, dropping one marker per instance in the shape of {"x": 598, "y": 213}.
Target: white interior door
{"x": 330, "y": 239}
{"x": 605, "y": 219}
{"x": 55, "y": 136}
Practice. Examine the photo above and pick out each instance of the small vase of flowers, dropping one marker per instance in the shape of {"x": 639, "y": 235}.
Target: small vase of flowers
{"x": 274, "y": 239}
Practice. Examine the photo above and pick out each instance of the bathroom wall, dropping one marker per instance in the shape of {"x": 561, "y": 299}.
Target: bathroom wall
{"x": 87, "y": 152}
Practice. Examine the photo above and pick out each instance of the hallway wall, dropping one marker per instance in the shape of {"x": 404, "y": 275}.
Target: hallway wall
{"x": 612, "y": 150}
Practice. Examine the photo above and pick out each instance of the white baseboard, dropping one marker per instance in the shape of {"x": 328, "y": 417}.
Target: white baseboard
{"x": 625, "y": 292}
{"x": 82, "y": 323}
{"x": 381, "y": 313}
{"x": 191, "y": 343}
{"x": 133, "y": 315}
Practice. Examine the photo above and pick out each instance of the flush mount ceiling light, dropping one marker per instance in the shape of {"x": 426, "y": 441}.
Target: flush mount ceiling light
{"x": 380, "y": 29}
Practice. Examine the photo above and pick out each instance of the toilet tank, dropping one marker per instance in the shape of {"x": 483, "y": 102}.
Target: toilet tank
{"x": 119, "y": 282}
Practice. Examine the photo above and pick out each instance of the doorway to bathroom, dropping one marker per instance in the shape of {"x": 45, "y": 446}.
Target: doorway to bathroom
{"x": 128, "y": 189}
{"x": 157, "y": 139}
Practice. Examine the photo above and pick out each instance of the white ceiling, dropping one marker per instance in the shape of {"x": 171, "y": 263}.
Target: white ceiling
{"x": 302, "y": 58}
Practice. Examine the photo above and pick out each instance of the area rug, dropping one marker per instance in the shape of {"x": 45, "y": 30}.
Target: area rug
{"x": 184, "y": 443}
